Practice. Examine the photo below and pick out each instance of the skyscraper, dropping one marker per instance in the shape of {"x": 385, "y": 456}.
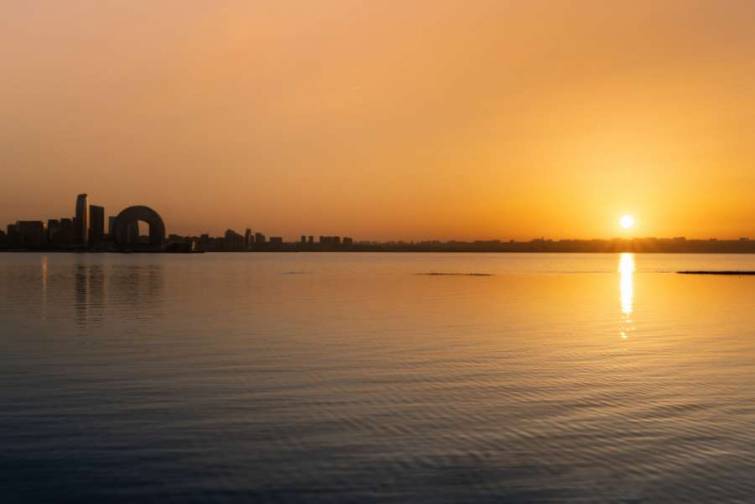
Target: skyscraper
{"x": 96, "y": 224}
{"x": 81, "y": 226}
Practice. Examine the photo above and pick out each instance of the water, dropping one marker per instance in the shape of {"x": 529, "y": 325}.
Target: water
{"x": 358, "y": 377}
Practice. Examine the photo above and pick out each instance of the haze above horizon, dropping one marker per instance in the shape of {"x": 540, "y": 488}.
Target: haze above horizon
{"x": 425, "y": 120}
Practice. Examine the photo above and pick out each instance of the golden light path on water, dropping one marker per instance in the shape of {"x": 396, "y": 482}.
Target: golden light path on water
{"x": 626, "y": 291}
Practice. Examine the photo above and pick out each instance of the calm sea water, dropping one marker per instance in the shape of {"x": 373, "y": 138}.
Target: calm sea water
{"x": 359, "y": 377}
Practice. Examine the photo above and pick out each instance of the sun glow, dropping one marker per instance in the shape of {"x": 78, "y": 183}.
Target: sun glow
{"x": 627, "y": 221}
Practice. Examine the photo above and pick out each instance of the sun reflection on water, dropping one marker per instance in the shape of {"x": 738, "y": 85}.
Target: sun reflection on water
{"x": 626, "y": 291}
{"x": 626, "y": 282}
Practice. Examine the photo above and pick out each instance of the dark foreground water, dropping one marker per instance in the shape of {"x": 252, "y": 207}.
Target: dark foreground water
{"x": 358, "y": 377}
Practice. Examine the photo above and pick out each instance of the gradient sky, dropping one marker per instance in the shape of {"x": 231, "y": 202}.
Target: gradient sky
{"x": 384, "y": 119}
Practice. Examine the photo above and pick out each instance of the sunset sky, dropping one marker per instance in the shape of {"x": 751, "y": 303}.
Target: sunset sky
{"x": 384, "y": 119}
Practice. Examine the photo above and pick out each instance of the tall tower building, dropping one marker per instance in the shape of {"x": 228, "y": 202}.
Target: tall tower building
{"x": 81, "y": 226}
{"x": 96, "y": 224}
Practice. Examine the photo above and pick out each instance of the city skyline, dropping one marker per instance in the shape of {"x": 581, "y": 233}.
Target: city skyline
{"x": 141, "y": 228}
{"x": 86, "y": 231}
{"x": 429, "y": 121}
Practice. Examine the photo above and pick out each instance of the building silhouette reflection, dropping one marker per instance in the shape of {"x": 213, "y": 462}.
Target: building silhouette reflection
{"x": 44, "y": 275}
{"x": 136, "y": 289}
{"x": 89, "y": 293}
{"x": 125, "y": 291}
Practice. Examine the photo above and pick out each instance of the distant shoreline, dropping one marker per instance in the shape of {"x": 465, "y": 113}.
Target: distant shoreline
{"x": 394, "y": 251}
{"x": 712, "y": 272}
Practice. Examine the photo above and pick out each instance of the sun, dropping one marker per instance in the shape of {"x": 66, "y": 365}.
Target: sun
{"x": 627, "y": 221}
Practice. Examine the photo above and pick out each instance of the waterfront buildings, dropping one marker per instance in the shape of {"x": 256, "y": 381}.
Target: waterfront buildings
{"x": 81, "y": 221}
{"x": 248, "y": 239}
{"x": 96, "y": 225}
{"x": 233, "y": 241}
{"x": 64, "y": 237}
{"x": 29, "y": 234}
{"x": 86, "y": 231}
{"x": 53, "y": 228}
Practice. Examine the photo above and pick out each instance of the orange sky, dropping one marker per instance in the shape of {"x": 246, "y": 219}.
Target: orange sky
{"x": 380, "y": 120}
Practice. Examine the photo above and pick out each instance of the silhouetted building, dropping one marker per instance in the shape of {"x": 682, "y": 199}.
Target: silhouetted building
{"x": 311, "y": 239}
{"x": 126, "y": 229}
{"x": 347, "y": 242}
{"x": 64, "y": 237}
{"x": 233, "y": 241}
{"x": 177, "y": 243}
{"x": 276, "y": 242}
{"x": 96, "y": 225}
{"x": 132, "y": 233}
{"x": 110, "y": 226}
{"x": 81, "y": 222}
{"x": 259, "y": 239}
{"x": 248, "y": 239}
{"x": 204, "y": 241}
{"x": 12, "y": 236}
{"x": 53, "y": 228}
{"x": 330, "y": 242}
{"x": 30, "y": 234}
